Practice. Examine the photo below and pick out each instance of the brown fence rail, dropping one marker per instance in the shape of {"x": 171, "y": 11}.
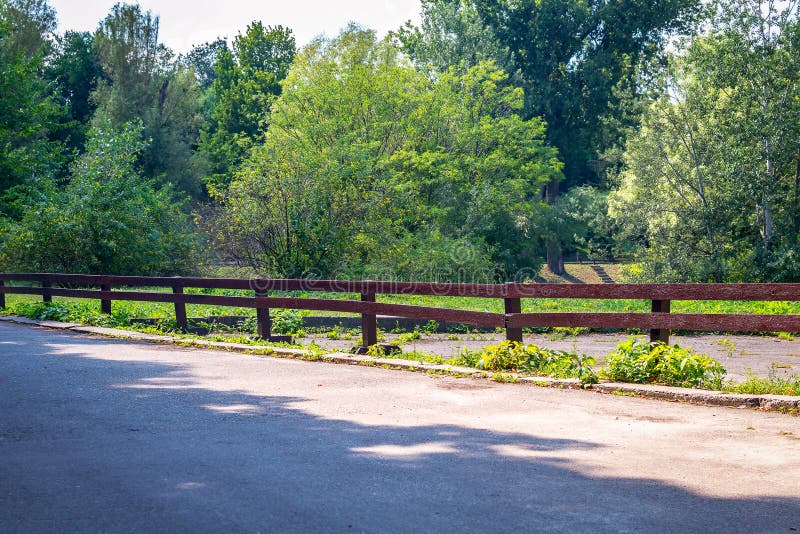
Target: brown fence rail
{"x": 659, "y": 322}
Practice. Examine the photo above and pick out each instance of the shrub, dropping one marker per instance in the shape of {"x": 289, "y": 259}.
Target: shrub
{"x": 531, "y": 359}
{"x": 107, "y": 220}
{"x": 643, "y": 362}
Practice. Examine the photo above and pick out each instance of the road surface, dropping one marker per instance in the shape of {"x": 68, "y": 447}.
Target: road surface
{"x": 107, "y": 436}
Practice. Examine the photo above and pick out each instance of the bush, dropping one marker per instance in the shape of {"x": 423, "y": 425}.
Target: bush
{"x": 642, "y": 362}
{"x": 107, "y": 220}
{"x": 531, "y": 359}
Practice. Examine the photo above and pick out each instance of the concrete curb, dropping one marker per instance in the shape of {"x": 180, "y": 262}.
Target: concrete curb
{"x": 772, "y": 403}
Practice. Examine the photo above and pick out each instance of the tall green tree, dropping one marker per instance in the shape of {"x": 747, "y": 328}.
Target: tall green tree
{"x": 203, "y": 59}
{"x": 246, "y": 83}
{"x": 32, "y": 26}
{"x": 28, "y": 114}
{"x": 451, "y": 34}
{"x": 370, "y": 168}
{"x": 712, "y": 180}
{"x": 577, "y": 60}
{"x": 141, "y": 81}
{"x": 74, "y": 71}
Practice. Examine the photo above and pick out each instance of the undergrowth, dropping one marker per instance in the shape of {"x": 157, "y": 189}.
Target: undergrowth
{"x": 643, "y": 362}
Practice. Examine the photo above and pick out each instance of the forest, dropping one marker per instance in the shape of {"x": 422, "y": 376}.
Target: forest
{"x": 493, "y": 138}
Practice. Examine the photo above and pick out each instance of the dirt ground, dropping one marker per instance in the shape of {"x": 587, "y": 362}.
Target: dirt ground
{"x": 739, "y": 354}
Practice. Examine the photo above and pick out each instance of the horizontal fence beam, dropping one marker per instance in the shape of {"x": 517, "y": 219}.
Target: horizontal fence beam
{"x": 760, "y": 292}
{"x": 345, "y": 306}
{"x": 666, "y": 321}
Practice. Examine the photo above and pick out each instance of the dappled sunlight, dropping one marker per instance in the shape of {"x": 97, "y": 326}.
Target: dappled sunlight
{"x": 237, "y": 409}
{"x": 523, "y": 451}
{"x": 191, "y": 485}
{"x": 406, "y": 452}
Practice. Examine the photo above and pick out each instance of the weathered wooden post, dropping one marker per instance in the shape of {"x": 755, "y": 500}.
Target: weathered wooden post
{"x": 369, "y": 324}
{"x": 660, "y": 334}
{"x": 2, "y": 295}
{"x": 513, "y": 305}
{"x": 264, "y": 323}
{"x": 46, "y": 296}
{"x": 105, "y": 304}
{"x": 180, "y": 309}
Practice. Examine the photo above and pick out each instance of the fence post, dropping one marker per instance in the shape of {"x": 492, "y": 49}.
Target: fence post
{"x": 46, "y": 296}
{"x": 513, "y": 305}
{"x": 2, "y": 295}
{"x": 180, "y": 309}
{"x": 105, "y": 304}
{"x": 264, "y": 328}
{"x": 369, "y": 324}
{"x": 660, "y": 334}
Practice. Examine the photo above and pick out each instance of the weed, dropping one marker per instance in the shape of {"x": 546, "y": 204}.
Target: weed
{"x": 504, "y": 378}
{"x": 560, "y": 332}
{"x": 531, "y": 359}
{"x": 402, "y": 339}
{"x": 287, "y": 322}
{"x": 431, "y": 327}
{"x": 772, "y": 385}
{"x": 643, "y": 362}
{"x": 727, "y": 345}
{"x": 452, "y": 337}
{"x": 787, "y": 336}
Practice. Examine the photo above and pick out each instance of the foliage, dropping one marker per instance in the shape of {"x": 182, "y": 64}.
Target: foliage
{"x": 711, "y": 185}
{"x": 576, "y": 59}
{"x": 203, "y": 59}
{"x": 514, "y": 356}
{"x": 579, "y": 221}
{"x": 107, "y": 220}
{"x": 444, "y": 163}
{"x": 28, "y": 113}
{"x": 246, "y": 83}
{"x": 451, "y": 34}
{"x": 772, "y": 385}
{"x": 644, "y": 362}
{"x": 74, "y": 71}
{"x": 287, "y": 322}
{"x": 140, "y": 82}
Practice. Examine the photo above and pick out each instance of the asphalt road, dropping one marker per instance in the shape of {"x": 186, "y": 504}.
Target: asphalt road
{"x": 113, "y": 436}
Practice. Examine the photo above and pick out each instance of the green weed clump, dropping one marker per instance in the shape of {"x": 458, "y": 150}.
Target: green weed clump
{"x": 642, "y": 362}
{"x": 772, "y": 385}
{"x": 531, "y": 359}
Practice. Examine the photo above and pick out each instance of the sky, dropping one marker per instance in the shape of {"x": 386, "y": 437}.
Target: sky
{"x": 184, "y": 23}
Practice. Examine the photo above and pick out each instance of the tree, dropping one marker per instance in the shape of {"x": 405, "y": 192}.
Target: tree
{"x": 28, "y": 114}
{"x": 74, "y": 71}
{"x": 246, "y": 83}
{"x": 577, "y": 61}
{"x": 140, "y": 81}
{"x": 365, "y": 156}
{"x": 203, "y": 59}
{"x": 32, "y": 24}
{"x": 451, "y": 33}
{"x": 107, "y": 220}
{"x": 717, "y": 165}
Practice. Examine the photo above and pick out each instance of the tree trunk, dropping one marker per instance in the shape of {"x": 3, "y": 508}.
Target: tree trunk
{"x": 554, "y": 260}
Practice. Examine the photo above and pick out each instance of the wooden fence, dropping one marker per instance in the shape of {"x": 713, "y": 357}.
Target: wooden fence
{"x": 659, "y": 321}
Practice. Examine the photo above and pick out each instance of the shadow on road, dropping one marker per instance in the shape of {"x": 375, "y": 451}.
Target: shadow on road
{"x": 95, "y": 444}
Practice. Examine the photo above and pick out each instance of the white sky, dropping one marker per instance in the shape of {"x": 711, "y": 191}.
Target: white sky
{"x": 184, "y": 23}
